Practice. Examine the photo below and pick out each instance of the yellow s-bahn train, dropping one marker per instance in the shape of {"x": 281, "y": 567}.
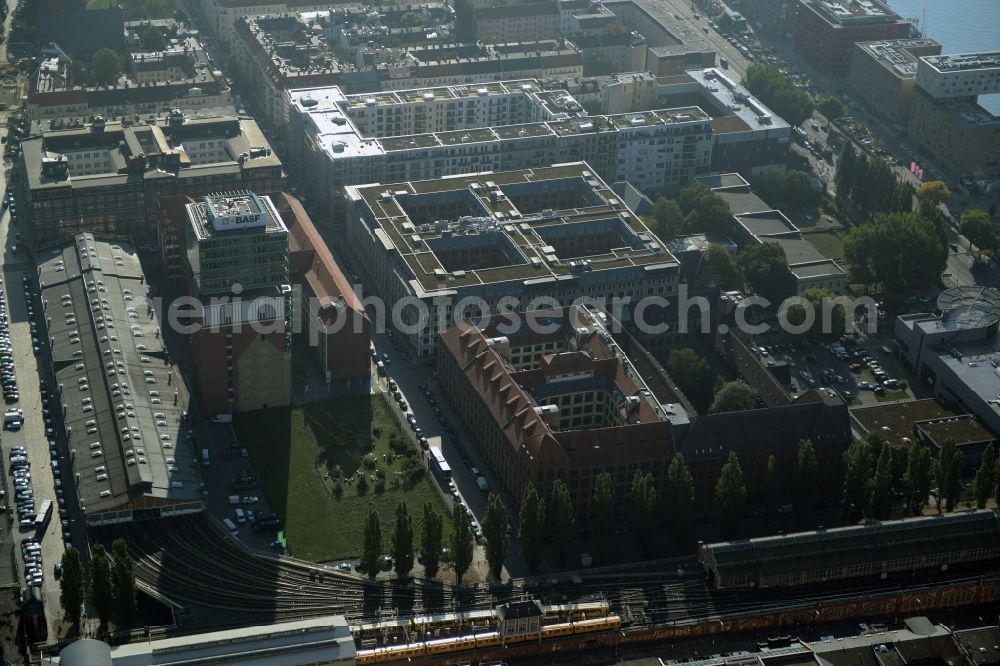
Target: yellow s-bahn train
{"x": 457, "y": 632}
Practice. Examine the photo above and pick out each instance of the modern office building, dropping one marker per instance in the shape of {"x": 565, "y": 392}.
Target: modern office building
{"x": 501, "y": 239}
{"x": 827, "y": 30}
{"x": 947, "y": 120}
{"x": 122, "y": 402}
{"x": 884, "y": 74}
{"x": 107, "y": 176}
{"x": 747, "y": 137}
{"x": 237, "y": 263}
{"x": 343, "y": 140}
{"x": 954, "y": 352}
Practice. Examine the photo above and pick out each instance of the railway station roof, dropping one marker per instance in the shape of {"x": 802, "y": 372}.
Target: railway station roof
{"x": 888, "y": 540}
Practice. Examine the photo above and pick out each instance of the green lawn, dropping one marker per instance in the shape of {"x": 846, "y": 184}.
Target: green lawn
{"x": 829, "y": 243}
{"x": 293, "y": 451}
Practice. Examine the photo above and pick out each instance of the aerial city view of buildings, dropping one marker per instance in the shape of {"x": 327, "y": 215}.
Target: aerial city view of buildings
{"x": 497, "y": 332}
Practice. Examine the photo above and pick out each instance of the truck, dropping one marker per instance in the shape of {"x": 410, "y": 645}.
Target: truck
{"x": 223, "y": 417}
{"x": 204, "y": 457}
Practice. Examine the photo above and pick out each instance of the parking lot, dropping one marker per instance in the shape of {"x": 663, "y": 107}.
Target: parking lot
{"x": 32, "y": 457}
{"x": 860, "y": 372}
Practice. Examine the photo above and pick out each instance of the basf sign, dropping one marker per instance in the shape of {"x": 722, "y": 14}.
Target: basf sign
{"x": 239, "y": 211}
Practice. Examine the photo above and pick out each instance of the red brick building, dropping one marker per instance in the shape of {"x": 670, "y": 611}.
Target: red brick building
{"x": 583, "y": 399}
{"x": 826, "y": 31}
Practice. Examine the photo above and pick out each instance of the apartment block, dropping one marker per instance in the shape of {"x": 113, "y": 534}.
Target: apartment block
{"x": 501, "y": 240}
{"x": 884, "y": 74}
{"x": 107, "y": 177}
{"x": 221, "y": 15}
{"x": 827, "y": 30}
{"x": 237, "y": 262}
{"x": 518, "y": 22}
{"x": 619, "y": 52}
{"x": 179, "y": 77}
{"x": 430, "y": 133}
{"x": 774, "y": 16}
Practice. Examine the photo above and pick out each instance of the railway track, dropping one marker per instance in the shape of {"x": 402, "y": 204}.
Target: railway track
{"x": 191, "y": 564}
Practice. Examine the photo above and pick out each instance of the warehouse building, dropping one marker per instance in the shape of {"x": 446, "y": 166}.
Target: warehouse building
{"x": 123, "y": 407}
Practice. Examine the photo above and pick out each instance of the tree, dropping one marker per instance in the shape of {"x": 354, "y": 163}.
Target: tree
{"x": 495, "y": 531}
{"x": 465, "y": 21}
{"x": 880, "y": 501}
{"x": 668, "y": 218}
{"x": 71, "y": 585}
{"x": 461, "y": 542}
{"x": 371, "y": 556}
{"x": 901, "y": 251}
{"x": 704, "y": 211}
{"x": 730, "y": 496}
{"x": 782, "y": 188}
{"x": 602, "y": 508}
{"x": 977, "y": 226}
{"x": 985, "y": 476}
{"x": 123, "y": 573}
{"x": 430, "y": 541}
{"x": 402, "y": 542}
{"x": 531, "y": 530}
{"x": 719, "y": 258}
{"x": 777, "y": 91}
{"x": 804, "y": 482}
{"x": 858, "y": 461}
{"x": 765, "y": 270}
{"x": 948, "y": 475}
{"x": 771, "y": 489}
{"x": 105, "y": 67}
{"x": 561, "y": 521}
{"x": 934, "y": 192}
{"x": 152, "y": 39}
{"x": 693, "y": 375}
{"x": 102, "y": 590}
{"x": 822, "y": 328}
{"x": 734, "y": 396}
{"x": 679, "y": 498}
{"x": 642, "y": 508}
{"x": 831, "y": 107}
{"x": 917, "y": 478}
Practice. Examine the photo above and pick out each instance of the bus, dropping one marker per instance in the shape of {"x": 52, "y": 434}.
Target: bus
{"x": 43, "y": 516}
{"x": 439, "y": 466}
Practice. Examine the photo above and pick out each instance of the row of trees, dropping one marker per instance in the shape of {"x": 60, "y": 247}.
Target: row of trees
{"x": 778, "y": 92}
{"x": 111, "y": 583}
{"x": 875, "y": 472}
{"x": 870, "y": 184}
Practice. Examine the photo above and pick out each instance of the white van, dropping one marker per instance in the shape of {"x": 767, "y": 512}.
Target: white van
{"x": 231, "y": 526}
